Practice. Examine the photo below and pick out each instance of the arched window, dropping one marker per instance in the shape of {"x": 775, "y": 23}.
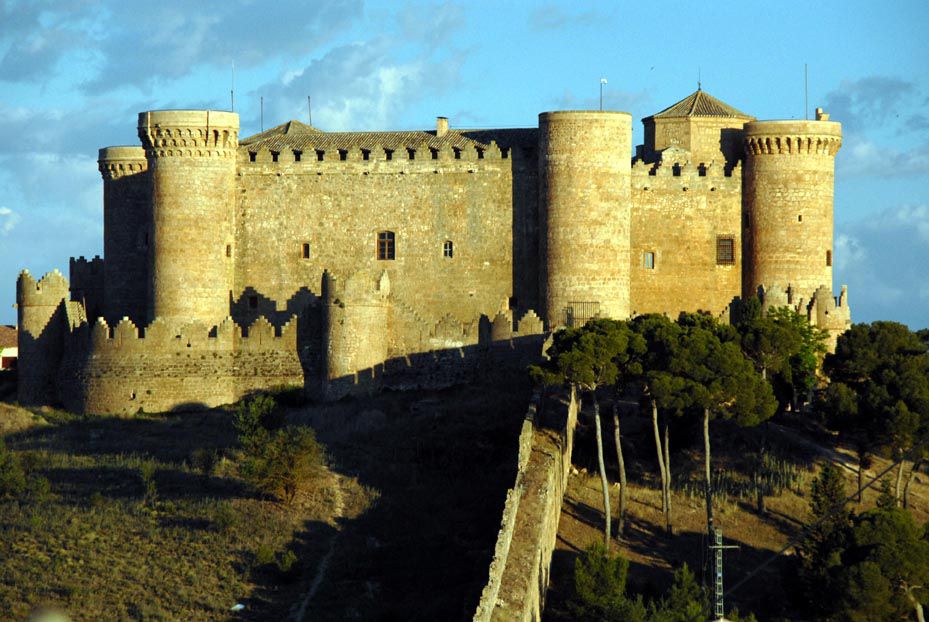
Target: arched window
{"x": 448, "y": 249}
{"x": 386, "y": 249}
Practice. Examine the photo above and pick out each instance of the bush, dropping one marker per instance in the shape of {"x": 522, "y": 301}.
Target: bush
{"x": 287, "y": 565}
{"x": 147, "y": 474}
{"x": 12, "y": 476}
{"x": 264, "y": 555}
{"x": 255, "y": 417}
{"x": 204, "y": 461}
{"x": 280, "y": 463}
{"x": 225, "y": 517}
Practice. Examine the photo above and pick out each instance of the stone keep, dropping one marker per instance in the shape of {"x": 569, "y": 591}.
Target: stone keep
{"x": 351, "y": 261}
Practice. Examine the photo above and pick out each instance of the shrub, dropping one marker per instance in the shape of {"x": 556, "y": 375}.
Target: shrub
{"x": 39, "y": 489}
{"x": 264, "y": 555}
{"x": 287, "y": 566}
{"x": 204, "y": 460}
{"x": 255, "y": 417}
{"x": 147, "y": 474}
{"x": 12, "y": 476}
{"x": 225, "y": 517}
{"x": 280, "y": 463}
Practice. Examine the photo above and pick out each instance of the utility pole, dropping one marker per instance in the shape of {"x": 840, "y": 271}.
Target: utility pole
{"x": 719, "y": 610}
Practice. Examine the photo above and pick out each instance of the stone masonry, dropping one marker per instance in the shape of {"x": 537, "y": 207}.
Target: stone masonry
{"x": 349, "y": 261}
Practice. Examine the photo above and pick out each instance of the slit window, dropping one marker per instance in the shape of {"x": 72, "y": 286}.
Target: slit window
{"x": 725, "y": 251}
{"x": 648, "y": 260}
{"x": 829, "y": 259}
{"x": 343, "y": 155}
{"x": 320, "y": 155}
{"x": 365, "y": 154}
{"x": 388, "y": 154}
{"x": 305, "y": 250}
{"x": 799, "y": 217}
{"x": 386, "y": 249}
{"x": 448, "y": 249}
{"x": 228, "y": 250}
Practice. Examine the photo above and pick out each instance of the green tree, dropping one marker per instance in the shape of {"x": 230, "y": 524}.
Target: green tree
{"x": 887, "y": 568}
{"x": 721, "y": 383}
{"x": 684, "y": 602}
{"x": 599, "y": 589}
{"x": 828, "y": 536}
{"x": 628, "y": 361}
{"x": 585, "y": 358}
{"x": 879, "y": 391}
{"x": 663, "y": 391}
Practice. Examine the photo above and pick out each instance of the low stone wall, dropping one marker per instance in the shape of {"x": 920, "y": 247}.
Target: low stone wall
{"x": 519, "y": 572}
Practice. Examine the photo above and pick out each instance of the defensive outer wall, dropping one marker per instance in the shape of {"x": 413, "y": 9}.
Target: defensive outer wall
{"x": 353, "y": 261}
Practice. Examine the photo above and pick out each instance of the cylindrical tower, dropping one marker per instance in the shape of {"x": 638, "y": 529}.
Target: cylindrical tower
{"x": 585, "y": 206}
{"x": 126, "y": 215}
{"x": 788, "y": 187}
{"x": 192, "y": 162}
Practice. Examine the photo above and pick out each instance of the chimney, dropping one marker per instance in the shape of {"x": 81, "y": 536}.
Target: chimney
{"x": 441, "y": 126}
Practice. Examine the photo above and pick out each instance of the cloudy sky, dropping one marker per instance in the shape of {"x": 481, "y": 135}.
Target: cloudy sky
{"x": 74, "y": 73}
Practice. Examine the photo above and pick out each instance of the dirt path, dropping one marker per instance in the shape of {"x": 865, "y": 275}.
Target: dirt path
{"x": 323, "y": 567}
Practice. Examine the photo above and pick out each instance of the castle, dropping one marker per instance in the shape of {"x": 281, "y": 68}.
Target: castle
{"x": 349, "y": 260}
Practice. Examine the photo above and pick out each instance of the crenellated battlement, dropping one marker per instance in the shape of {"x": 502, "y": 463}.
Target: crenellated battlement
{"x": 793, "y": 137}
{"x": 189, "y": 133}
{"x": 50, "y": 290}
{"x": 123, "y": 161}
{"x": 685, "y": 176}
{"x": 83, "y": 269}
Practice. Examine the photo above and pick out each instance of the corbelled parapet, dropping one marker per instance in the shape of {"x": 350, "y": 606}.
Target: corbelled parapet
{"x": 189, "y": 133}
{"x": 121, "y": 161}
{"x": 789, "y": 178}
{"x": 192, "y": 164}
{"x": 585, "y": 211}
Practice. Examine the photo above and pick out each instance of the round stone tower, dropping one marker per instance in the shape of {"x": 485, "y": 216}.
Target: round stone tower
{"x": 585, "y": 207}
{"x": 788, "y": 187}
{"x": 192, "y": 162}
{"x": 126, "y": 215}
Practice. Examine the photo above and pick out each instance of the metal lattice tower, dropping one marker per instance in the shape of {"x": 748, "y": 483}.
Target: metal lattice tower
{"x": 719, "y": 610}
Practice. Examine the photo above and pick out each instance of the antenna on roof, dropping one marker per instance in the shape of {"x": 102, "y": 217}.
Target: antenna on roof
{"x": 806, "y": 93}
{"x": 262, "y": 114}
{"x": 309, "y": 110}
{"x": 232, "y": 90}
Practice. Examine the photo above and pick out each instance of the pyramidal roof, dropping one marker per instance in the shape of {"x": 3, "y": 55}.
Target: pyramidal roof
{"x": 291, "y": 128}
{"x": 699, "y": 104}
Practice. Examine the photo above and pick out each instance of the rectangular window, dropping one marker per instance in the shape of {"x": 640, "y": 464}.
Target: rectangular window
{"x": 305, "y": 252}
{"x": 448, "y": 249}
{"x": 648, "y": 260}
{"x": 829, "y": 258}
{"x": 386, "y": 251}
{"x": 725, "y": 251}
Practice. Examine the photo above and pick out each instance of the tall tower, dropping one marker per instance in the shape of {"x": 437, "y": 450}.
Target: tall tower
{"x": 585, "y": 208}
{"x": 788, "y": 188}
{"x": 126, "y": 216}
{"x": 191, "y": 161}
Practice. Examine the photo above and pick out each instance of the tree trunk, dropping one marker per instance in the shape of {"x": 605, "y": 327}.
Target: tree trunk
{"x": 920, "y": 617}
{"x": 759, "y": 473}
{"x": 622, "y": 470}
{"x": 899, "y": 487}
{"x": 667, "y": 486}
{"x": 861, "y": 461}
{"x": 909, "y": 478}
{"x": 661, "y": 464}
{"x": 603, "y": 481}
{"x": 709, "y": 481}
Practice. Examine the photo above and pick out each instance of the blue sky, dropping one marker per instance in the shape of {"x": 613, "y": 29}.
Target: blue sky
{"x": 73, "y": 75}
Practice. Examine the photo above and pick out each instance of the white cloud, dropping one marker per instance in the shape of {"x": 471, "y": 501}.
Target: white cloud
{"x": 8, "y": 220}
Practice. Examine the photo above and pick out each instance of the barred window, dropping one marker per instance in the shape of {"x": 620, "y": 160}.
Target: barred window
{"x": 385, "y": 245}
{"x": 725, "y": 251}
{"x": 448, "y": 249}
{"x": 648, "y": 260}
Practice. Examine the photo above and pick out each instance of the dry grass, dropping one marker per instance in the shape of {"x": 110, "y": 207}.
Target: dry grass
{"x": 654, "y": 555}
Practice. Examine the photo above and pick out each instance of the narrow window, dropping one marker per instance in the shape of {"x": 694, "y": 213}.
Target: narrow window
{"x": 343, "y": 155}
{"x": 274, "y": 156}
{"x": 385, "y": 245}
{"x": 365, "y": 154}
{"x": 320, "y": 155}
{"x": 388, "y": 154}
{"x": 725, "y": 251}
{"x": 457, "y": 153}
{"x": 829, "y": 258}
{"x": 448, "y": 249}
{"x": 253, "y": 302}
{"x": 411, "y": 153}
{"x": 251, "y": 156}
{"x": 435, "y": 154}
{"x": 799, "y": 217}
{"x": 480, "y": 154}
{"x": 297, "y": 155}
{"x": 306, "y": 250}
{"x": 648, "y": 260}
{"x": 228, "y": 250}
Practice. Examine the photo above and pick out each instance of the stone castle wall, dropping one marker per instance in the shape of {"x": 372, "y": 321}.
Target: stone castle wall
{"x": 680, "y": 211}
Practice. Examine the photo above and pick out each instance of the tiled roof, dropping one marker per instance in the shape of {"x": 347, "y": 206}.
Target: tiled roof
{"x": 7, "y": 336}
{"x": 300, "y": 136}
{"x": 699, "y": 104}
